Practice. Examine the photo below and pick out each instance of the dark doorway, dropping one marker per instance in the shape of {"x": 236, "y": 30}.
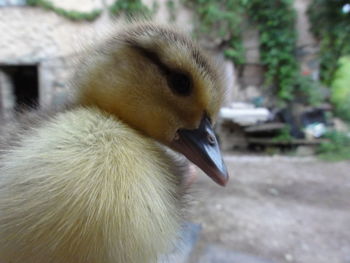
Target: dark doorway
{"x": 25, "y": 83}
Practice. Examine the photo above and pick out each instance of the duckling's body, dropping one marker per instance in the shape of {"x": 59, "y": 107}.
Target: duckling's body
{"x": 84, "y": 187}
{"x": 96, "y": 183}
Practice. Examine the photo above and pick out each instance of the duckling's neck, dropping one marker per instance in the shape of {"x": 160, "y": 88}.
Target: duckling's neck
{"x": 141, "y": 178}
{"x": 109, "y": 187}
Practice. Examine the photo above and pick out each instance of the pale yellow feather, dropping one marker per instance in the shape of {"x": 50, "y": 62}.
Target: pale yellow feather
{"x": 85, "y": 188}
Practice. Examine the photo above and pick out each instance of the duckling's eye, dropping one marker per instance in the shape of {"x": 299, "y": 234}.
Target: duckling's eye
{"x": 180, "y": 83}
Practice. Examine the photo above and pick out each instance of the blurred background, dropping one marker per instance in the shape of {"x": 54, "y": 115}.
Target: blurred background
{"x": 284, "y": 127}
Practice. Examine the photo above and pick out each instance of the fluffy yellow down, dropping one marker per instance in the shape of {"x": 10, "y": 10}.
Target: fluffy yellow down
{"x": 85, "y": 188}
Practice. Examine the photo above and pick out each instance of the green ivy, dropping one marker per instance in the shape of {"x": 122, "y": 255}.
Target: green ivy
{"x": 132, "y": 8}
{"x": 332, "y": 27}
{"x": 220, "y": 20}
{"x": 340, "y": 89}
{"x": 308, "y": 91}
{"x": 337, "y": 148}
{"x": 275, "y": 20}
{"x": 72, "y": 15}
{"x": 284, "y": 135}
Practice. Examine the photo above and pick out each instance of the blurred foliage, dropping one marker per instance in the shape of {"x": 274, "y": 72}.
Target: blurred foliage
{"x": 275, "y": 20}
{"x": 337, "y": 148}
{"x": 340, "y": 89}
{"x": 132, "y": 8}
{"x": 284, "y": 135}
{"x": 221, "y": 22}
{"x": 308, "y": 91}
{"x": 72, "y": 15}
{"x": 331, "y": 25}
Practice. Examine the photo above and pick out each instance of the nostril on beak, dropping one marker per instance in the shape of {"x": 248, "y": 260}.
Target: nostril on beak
{"x": 211, "y": 139}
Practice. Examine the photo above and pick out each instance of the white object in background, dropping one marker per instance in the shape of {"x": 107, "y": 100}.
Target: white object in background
{"x": 315, "y": 130}
{"x": 245, "y": 116}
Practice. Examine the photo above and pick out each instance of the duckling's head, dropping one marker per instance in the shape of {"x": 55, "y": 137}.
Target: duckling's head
{"x": 159, "y": 82}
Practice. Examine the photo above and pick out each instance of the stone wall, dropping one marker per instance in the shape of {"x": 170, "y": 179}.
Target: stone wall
{"x": 307, "y": 45}
{"x": 6, "y": 96}
{"x": 34, "y": 36}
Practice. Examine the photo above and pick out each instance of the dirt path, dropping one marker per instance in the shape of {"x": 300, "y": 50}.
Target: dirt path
{"x": 280, "y": 209}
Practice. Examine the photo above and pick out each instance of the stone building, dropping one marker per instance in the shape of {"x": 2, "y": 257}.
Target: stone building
{"x": 39, "y": 48}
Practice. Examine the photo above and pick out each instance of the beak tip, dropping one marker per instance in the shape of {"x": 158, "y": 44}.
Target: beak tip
{"x": 225, "y": 181}
{"x": 201, "y": 147}
{"x": 222, "y": 180}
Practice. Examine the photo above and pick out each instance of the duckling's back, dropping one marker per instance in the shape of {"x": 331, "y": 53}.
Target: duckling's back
{"x": 85, "y": 188}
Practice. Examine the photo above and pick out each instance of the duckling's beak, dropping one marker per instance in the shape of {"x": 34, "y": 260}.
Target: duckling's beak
{"x": 201, "y": 147}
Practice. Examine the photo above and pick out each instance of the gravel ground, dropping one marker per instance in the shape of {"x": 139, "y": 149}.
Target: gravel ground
{"x": 279, "y": 209}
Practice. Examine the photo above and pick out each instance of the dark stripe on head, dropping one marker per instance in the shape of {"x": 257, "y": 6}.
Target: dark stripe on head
{"x": 178, "y": 81}
{"x": 171, "y": 36}
{"x": 151, "y": 56}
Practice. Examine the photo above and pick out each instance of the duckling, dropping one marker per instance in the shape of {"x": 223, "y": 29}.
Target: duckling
{"x": 99, "y": 181}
